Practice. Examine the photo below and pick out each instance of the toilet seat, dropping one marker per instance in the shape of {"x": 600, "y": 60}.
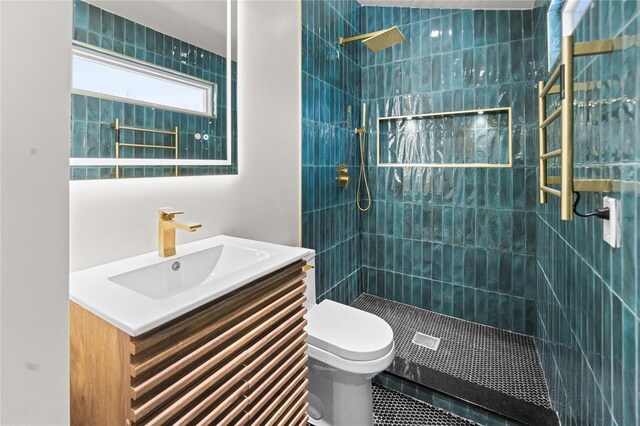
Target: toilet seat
{"x": 348, "y": 334}
{"x": 373, "y": 366}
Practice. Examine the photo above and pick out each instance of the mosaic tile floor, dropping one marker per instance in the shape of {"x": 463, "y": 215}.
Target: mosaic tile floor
{"x": 391, "y": 408}
{"x": 493, "y": 368}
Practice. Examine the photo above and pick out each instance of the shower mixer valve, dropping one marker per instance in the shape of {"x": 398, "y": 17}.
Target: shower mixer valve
{"x": 343, "y": 176}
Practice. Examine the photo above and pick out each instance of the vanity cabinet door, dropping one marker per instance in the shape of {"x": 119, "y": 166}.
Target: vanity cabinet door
{"x": 238, "y": 360}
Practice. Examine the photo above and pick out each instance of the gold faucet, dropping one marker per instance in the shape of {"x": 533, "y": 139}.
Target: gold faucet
{"x": 167, "y": 230}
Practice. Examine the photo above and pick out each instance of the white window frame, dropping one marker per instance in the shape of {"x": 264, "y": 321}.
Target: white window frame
{"x": 111, "y": 59}
{"x": 572, "y": 13}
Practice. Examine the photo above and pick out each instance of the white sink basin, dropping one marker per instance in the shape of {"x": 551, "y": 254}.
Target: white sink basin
{"x": 143, "y": 292}
{"x": 180, "y": 273}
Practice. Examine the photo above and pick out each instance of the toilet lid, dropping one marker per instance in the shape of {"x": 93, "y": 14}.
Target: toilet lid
{"x": 348, "y": 332}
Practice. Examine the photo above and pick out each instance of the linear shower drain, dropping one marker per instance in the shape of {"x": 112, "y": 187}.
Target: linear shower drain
{"x": 426, "y": 341}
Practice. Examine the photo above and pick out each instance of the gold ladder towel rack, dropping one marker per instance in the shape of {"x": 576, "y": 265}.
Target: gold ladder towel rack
{"x": 118, "y": 127}
{"x": 563, "y": 73}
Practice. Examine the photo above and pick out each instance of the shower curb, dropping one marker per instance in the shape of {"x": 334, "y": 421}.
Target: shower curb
{"x": 473, "y": 354}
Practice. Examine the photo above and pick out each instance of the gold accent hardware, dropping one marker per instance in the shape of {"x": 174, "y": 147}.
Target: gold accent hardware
{"x": 551, "y": 118}
{"x": 552, "y": 154}
{"x": 577, "y": 87}
{"x": 593, "y": 47}
{"x": 552, "y": 79}
{"x": 306, "y": 268}
{"x": 589, "y": 185}
{"x": 363, "y": 129}
{"x": 167, "y": 230}
{"x": 542, "y": 144}
{"x": 377, "y": 40}
{"x": 566, "y": 159}
{"x": 139, "y": 145}
{"x": 343, "y": 176}
{"x": 551, "y": 191}
{"x": 598, "y": 47}
{"x": 506, "y": 110}
{"x": 564, "y": 72}
{"x": 118, "y": 128}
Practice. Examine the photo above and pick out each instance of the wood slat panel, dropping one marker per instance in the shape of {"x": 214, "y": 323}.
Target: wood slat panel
{"x": 293, "y": 285}
{"x": 290, "y": 299}
{"x": 221, "y": 363}
{"x": 181, "y": 403}
{"x": 302, "y": 418}
{"x": 295, "y": 363}
{"x": 243, "y": 375}
{"x": 299, "y": 406}
{"x": 275, "y": 396}
{"x": 225, "y": 369}
{"x": 279, "y": 405}
{"x": 231, "y": 418}
{"x": 212, "y": 310}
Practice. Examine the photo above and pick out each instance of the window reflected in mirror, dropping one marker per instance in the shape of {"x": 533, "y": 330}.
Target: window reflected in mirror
{"x": 152, "y": 96}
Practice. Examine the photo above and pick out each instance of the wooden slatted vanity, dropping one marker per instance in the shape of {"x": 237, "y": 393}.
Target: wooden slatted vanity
{"x": 237, "y": 360}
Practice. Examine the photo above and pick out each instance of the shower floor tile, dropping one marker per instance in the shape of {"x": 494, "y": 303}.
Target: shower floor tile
{"x": 391, "y": 408}
{"x": 493, "y": 368}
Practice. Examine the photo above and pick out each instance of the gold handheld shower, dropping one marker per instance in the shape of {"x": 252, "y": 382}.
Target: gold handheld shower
{"x": 363, "y": 184}
{"x": 377, "y": 40}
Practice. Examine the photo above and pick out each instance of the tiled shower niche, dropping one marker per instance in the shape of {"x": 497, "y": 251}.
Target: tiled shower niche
{"x": 478, "y": 138}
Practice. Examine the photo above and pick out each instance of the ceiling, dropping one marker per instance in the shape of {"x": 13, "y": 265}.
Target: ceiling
{"x": 454, "y": 4}
{"x": 199, "y": 22}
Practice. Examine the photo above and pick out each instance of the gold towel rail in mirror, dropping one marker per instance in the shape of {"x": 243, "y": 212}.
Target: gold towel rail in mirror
{"x": 563, "y": 74}
{"x": 118, "y": 128}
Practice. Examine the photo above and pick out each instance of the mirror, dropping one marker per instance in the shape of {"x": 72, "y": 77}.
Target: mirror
{"x": 153, "y": 91}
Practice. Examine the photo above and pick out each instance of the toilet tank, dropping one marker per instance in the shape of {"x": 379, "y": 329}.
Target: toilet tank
{"x": 310, "y": 281}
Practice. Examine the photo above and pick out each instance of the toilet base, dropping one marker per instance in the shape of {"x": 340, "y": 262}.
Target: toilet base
{"x": 337, "y": 397}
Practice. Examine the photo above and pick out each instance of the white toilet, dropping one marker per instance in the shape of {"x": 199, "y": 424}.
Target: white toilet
{"x": 347, "y": 348}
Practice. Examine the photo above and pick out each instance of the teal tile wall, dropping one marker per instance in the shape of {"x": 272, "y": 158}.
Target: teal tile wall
{"x": 587, "y": 292}
{"x": 331, "y": 80}
{"x": 453, "y": 240}
{"x": 92, "y": 117}
{"x": 469, "y": 138}
{"x": 475, "y": 243}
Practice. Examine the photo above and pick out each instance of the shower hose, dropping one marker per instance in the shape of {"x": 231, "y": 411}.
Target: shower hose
{"x": 362, "y": 177}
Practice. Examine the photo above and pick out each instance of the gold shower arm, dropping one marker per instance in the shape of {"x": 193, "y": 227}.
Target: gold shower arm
{"x": 344, "y": 40}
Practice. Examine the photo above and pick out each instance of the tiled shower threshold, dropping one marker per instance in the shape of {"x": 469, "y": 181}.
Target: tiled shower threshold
{"x": 391, "y": 408}
{"x": 493, "y": 368}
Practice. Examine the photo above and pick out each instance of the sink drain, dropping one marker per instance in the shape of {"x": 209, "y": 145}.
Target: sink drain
{"x": 175, "y": 266}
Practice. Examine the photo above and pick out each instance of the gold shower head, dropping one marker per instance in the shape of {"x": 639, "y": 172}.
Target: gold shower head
{"x": 377, "y": 40}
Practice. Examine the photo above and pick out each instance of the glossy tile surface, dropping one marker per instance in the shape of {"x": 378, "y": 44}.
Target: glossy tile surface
{"x": 456, "y": 241}
{"x": 492, "y": 368}
{"x": 331, "y": 78}
{"x": 391, "y": 408}
{"x": 474, "y": 243}
{"x": 442, "y": 401}
{"x": 587, "y": 303}
{"x": 91, "y": 117}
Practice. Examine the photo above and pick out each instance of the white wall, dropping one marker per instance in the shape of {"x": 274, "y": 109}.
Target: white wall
{"x": 116, "y": 219}
{"x": 34, "y": 155}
